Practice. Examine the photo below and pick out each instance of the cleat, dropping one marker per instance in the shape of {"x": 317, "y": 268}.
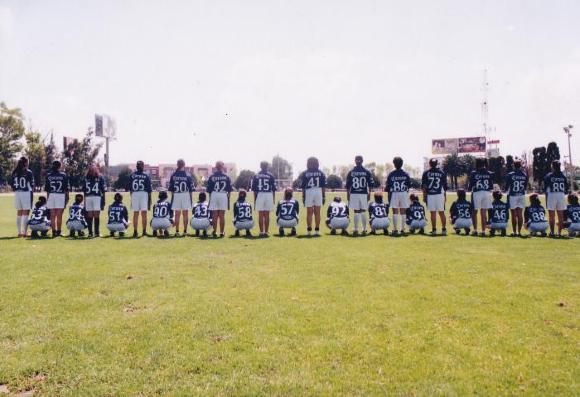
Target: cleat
{"x": 204, "y": 234}
{"x": 112, "y": 234}
{"x": 154, "y": 233}
{"x": 135, "y": 234}
{"x": 248, "y": 233}
{"x": 444, "y": 232}
{"x": 237, "y": 233}
{"x": 355, "y": 233}
{"x": 281, "y": 232}
{"x": 373, "y": 232}
{"x": 344, "y": 232}
{"x": 433, "y": 232}
{"x": 333, "y": 232}
{"x": 474, "y": 233}
{"x": 293, "y": 232}
{"x": 421, "y": 231}
{"x": 121, "y": 234}
{"x": 457, "y": 231}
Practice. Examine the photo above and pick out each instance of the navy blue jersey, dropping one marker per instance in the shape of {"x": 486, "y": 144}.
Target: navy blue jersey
{"x": 94, "y": 186}
{"x": 415, "y": 212}
{"x": 516, "y": 183}
{"x": 287, "y": 210}
{"x": 118, "y": 213}
{"x": 359, "y": 180}
{"x": 461, "y": 209}
{"x": 535, "y": 213}
{"x": 434, "y": 181}
{"x": 573, "y": 213}
{"x": 242, "y": 211}
{"x": 378, "y": 210}
{"x": 555, "y": 182}
{"x": 219, "y": 182}
{"x": 40, "y": 215}
{"x": 140, "y": 182}
{"x": 263, "y": 182}
{"x": 22, "y": 182}
{"x": 498, "y": 213}
{"x": 57, "y": 182}
{"x": 312, "y": 179}
{"x": 162, "y": 209}
{"x": 201, "y": 211}
{"x": 181, "y": 182}
{"x": 337, "y": 210}
{"x": 480, "y": 180}
{"x": 76, "y": 212}
{"x": 398, "y": 181}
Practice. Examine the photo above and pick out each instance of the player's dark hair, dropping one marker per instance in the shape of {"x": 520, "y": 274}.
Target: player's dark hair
{"x": 180, "y": 164}
{"x": 93, "y": 170}
{"x": 461, "y": 194}
{"x": 572, "y": 199}
{"x": 312, "y": 164}
{"x": 497, "y": 195}
{"x": 480, "y": 163}
{"x": 78, "y": 198}
{"x": 242, "y": 195}
{"x": 140, "y": 166}
{"x": 378, "y": 197}
{"x": 118, "y": 198}
{"x": 517, "y": 164}
{"x": 433, "y": 163}
{"x": 288, "y": 193}
{"x": 56, "y": 165}
{"x": 21, "y": 166}
{"x": 202, "y": 197}
{"x": 162, "y": 195}
{"x": 535, "y": 199}
{"x": 358, "y": 160}
{"x": 337, "y": 199}
{"x": 264, "y": 166}
{"x": 219, "y": 165}
{"x": 398, "y": 162}
{"x": 41, "y": 201}
{"x": 556, "y": 165}
{"x": 414, "y": 197}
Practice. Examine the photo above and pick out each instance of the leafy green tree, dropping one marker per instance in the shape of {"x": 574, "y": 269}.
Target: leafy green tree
{"x": 539, "y": 164}
{"x": 453, "y": 167}
{"x": 124, "y": 179}
{"x": 281, "y": 168}
{"x": 51, "y": 153}
{"x": 244, "y": 179}
{"x": 11, "y": 131}
{"x": 78, "y": 156}
{"x": 333, "y": 182}
{"x": 35, "y": 151}
{"x": 552, "y": 153}
{"x": 497, "y": 166}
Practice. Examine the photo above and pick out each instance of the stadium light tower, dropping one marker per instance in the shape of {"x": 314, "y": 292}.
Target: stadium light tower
{"x": 568, "y": 132}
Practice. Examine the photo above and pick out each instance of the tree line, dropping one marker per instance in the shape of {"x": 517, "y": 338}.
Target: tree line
{"x": 16, "y": 140}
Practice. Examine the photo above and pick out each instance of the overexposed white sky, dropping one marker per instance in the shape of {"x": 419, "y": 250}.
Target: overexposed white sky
{"x": 243, "y": 80}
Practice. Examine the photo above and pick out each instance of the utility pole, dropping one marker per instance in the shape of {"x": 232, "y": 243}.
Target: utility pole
{"x": 568, "y": 132}
{"x": 484, "y": 105}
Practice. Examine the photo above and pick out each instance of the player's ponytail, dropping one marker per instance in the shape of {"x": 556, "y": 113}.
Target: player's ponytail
{"x": 534, "y": 199}
{"x": 288, "y": 193}
{"x": 21, "y": 166}
{"x": 461, "y": 194}
{"x": 379, "y": 197}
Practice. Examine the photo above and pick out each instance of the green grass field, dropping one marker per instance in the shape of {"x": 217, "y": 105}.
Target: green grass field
{"x": 407, "y": 316}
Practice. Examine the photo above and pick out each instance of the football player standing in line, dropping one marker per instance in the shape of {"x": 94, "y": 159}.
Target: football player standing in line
{"x": 359, "y": 182}
{"x": 313, "y": 183}
{"x": 434, "y": 184}
{"x": 397, "y": 186}
{"x": 57, "y": 190}
{"x": 94, "y": 189}
{"x": 23, "y": 187}
{"x": 556, "y": 187}
{"x": 516, "y": 182}
{"x": 480, "y": 185}
{"x": 181, "y": 187}
{"x": 140, "y": 197}
{"x": 264, "y": 187}
{"x": 219, "y": 187}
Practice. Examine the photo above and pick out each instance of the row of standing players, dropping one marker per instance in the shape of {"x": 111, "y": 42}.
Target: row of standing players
{"x": 407, "y": 210}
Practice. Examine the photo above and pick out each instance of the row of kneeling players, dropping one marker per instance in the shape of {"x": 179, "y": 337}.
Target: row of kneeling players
{"x": 287, "y": 216}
